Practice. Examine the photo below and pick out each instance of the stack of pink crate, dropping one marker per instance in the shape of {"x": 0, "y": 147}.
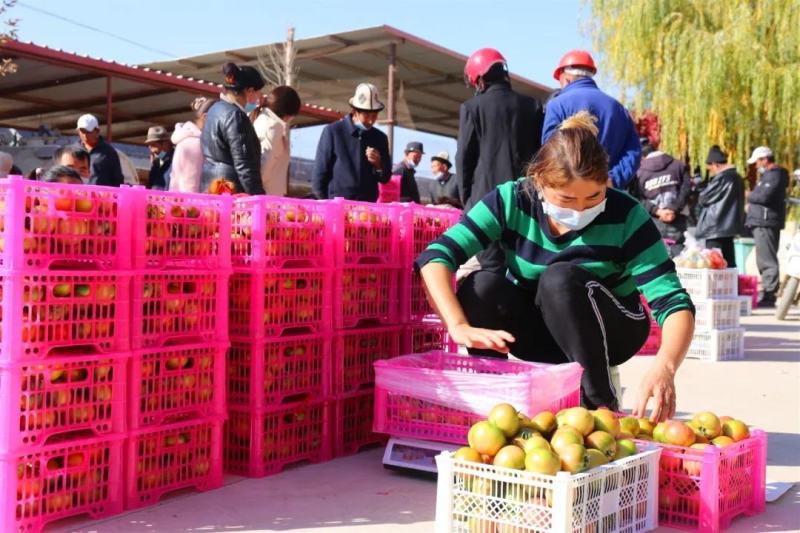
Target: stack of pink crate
{"x": 179, "y": 336}
{"x": 64, "y": 349}
{"x": 279, "y": 362}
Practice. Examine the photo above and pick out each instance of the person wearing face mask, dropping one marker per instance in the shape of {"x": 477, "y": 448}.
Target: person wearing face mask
{"x": 271, "y": 121}
{"x": 766, "y": 216}
{"x": 444, "y": 190}
{"x": 161, "y": 150}
{"x": 578, "y": 253}
{"x": 403, "y": 185}
{"x": 230, "y": 145}
{"x": 352, "y": 155}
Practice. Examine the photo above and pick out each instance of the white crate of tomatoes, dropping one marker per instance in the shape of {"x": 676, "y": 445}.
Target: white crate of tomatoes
{"x": 579, "y": 470}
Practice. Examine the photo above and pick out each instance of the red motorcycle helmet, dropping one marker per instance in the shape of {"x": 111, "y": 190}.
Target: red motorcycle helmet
{"x": 575, "y": 58}
{"x": 479, "y": 64}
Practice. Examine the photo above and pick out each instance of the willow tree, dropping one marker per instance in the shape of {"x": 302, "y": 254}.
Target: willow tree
{"x": 723, "y": 72}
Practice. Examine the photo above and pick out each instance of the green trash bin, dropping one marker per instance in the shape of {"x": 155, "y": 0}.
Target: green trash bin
{"x": 742, "y": 248}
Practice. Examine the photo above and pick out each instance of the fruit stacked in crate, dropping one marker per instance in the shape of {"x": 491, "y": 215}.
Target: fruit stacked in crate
{"x": 65, "y": 260}
{"x": 367, "y": 325}
{"x": 712, "y": 469}
{"x": 279, "y": 362}
{"x": 420, "y": 226}
{"x": 578, "y": 470}
{"x": 176, "y": 381}
{"x": 714, "y": 292}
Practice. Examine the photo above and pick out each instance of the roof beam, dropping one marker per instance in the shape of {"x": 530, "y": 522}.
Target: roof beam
{"x": 45, "y": 106}
{"x": 337, "y": 49}
{"x": 48, "y": 83}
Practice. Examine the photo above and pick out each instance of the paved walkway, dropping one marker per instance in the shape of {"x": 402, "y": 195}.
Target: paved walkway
{"x": 357, "y": 495}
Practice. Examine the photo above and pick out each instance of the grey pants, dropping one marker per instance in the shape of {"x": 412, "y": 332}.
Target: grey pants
{"x": 766, "y": 240}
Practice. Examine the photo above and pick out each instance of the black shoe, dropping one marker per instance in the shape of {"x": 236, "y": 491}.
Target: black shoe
{"x": 766, "y": 303}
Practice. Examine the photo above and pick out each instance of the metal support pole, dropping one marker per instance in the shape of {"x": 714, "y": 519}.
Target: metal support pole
{"x": 109, "y": 101}
{"x": 392, "y": 96}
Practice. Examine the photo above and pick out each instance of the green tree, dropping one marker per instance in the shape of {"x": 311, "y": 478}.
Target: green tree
{"x": 721, "y": 72}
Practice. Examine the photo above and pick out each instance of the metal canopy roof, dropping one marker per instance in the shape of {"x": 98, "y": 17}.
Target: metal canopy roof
{"x": 430, "y": 84}
{"x": 54, "y": 87}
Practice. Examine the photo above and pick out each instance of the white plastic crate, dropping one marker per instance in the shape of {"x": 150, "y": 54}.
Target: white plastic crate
{"x": 621, "y": 496}
{"x": 717, "y": 314}
{"x": 745, "y": 305}
{"x": 702, "y": 283}
{"x": 717, "y": 344}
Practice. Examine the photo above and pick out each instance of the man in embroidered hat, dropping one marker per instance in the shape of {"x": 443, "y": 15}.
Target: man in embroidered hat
{"x": 445, "y": 184}
{"x": 353, "y": 155}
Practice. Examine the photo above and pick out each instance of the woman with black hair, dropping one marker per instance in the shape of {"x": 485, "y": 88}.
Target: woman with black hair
{"x": 271, "y": 121}
{"x": 230, "y": 146}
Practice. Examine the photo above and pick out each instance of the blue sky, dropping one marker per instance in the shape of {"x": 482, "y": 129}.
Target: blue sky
{"x": 531, "y": 34}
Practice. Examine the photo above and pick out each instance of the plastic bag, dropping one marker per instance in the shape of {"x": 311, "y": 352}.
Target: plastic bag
{"x": 693, "y": 256}
{"x": 476, "y": 384}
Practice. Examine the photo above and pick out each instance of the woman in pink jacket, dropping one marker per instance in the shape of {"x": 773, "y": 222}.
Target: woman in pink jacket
{"x": 187, "y": 162}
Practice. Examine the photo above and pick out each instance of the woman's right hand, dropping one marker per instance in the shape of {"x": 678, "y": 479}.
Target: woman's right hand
{"x": 480, "y": 338}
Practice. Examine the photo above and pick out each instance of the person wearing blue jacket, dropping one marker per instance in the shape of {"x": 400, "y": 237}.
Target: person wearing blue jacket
{"x": 352, "y": 155}
{"x": 579, "y": 92}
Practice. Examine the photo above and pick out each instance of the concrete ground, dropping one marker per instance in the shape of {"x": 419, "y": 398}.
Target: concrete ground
{"x": 357, "y": 495}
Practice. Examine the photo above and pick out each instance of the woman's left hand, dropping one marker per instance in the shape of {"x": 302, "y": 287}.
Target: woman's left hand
{"x": 658, "y": 383}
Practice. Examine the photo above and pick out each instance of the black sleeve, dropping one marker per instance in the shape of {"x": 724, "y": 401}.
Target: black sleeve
{"x": 386, "y": 160}
{"x": 245, "y": 153}
{"x": 685, "y": 188}
{"x": 467, "y": 153}
{"x": 768, "y": 191}
{"x": 408, "y": 187}
{"x": 106, "y": 168}
{"x": 323, "y": 165}
{"x": 636, "y": 192}
{"x": 714, "y": 192}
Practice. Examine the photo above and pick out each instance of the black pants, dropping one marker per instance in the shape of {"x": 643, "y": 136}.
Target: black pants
{"x": 571, "y": 317}
{"x": 766, "y": 240}
{"x": 725, "y": 245}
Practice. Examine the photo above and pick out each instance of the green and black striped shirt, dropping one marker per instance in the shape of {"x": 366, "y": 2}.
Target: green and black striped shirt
{"x": 622, "y": 246}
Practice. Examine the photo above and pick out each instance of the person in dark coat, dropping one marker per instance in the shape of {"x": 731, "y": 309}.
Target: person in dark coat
{"x": 104, "y": 165}
{"x": 444, "y": 190}
{"x": 766, "y": 216}
{"x": 407, "y": 170}
{"x": 722, "y": 205}
{"x": 352, "y": 155}
{"x": 499, "y": 132}
{"x": 230, "y": 145}
{"x": 662, "y": 185}
{"x": 161, "y": 151}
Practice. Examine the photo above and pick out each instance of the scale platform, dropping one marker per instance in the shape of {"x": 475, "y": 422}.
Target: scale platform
{"x": 412, "y": 454}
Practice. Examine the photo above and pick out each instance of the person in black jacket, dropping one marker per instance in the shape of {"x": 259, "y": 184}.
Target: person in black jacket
{"x": 105, "y": 168}
{"x": 407, "y": 170}
{"x": 766, "y": 215}
{"x": 722, "y": 205}
{"x": 230, "y": 145}
{"x": 662, "y": 185}
{"x": 499, "y": 132}
{"x": 161, "y": 151}
{"x": 353, "y": 156}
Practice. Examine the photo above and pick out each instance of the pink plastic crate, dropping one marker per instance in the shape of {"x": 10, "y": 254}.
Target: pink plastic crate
{"x": 262, "y": 443}
{"x": 63, "y": 311}
{"x": 438, "y": 396}
{"x": 278, "y": 232}
{"x": 366, "y": 294}
{"x": 265, "y": 374}
{"x": 271, "y": 303}
{"x": 704, "y": 490}
{"x": 179, "y": 306}
{"x": 181, "y": 230}
{"x": 414, "y": 306}
{"x": 366, "y": 232}
{"x": 54, "y": 397}
{"x": 748, "y": 285}
{"x": 176, "y": 382}
{"x": 423, "y": 225}
{"x": 61, "y": 480}
{"x": 425, "y": 337}
{"x": 172, "y": 457}
{"x": 356, "y": 350}
{"x": 352, "y": 429}
{"x": 54, "y": 225}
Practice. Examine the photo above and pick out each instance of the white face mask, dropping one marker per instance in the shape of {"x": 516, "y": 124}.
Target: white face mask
{"x": 572, "y": 219}
{"x": 411, "y": 164}
{"x": 438, "y": 175}
{"x": 761, "y": 170}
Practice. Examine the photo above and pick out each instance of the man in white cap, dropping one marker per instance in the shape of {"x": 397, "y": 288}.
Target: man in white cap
{"x": 766, "y": 216}
{"x": 445, "y": 185}
{"x": 353, "y": 155}
{"x": 104, "y": 163}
